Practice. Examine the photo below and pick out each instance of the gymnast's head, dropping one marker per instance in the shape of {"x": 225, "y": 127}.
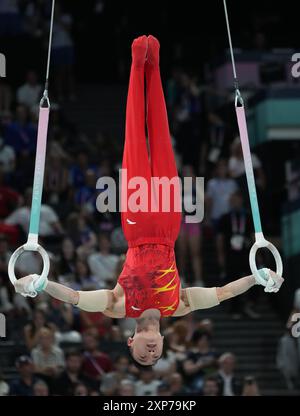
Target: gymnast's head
{"x": 146, "y": 344}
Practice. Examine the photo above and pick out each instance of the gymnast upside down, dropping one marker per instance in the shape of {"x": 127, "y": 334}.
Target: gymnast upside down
{"x": 149, "y": 287}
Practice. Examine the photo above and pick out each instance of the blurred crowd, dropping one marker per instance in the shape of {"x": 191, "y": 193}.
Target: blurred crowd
{"x": 64, "y": 351}
{"x": 189, "y": 366}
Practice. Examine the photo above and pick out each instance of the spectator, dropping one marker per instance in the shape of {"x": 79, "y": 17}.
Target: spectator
{"x": 31, "y": 330}
{"x": 5, "y": 303}
{"x": 22, "y": 310}
{"x": 230, "y": 385}
{"x": 9, "y": 199}
{"x": 34, "y": 15}
{"x": 63, "y": 54}
{"x": 86, "y": 195}
{"x": 7, "y": 156}
{"x": 48, "y": 359}
{"x": 109, "y": 384}
{"x": 10, "y": 21}
{"x": 127, "y": 388}
{"x": 67, "y": 258}
{"x": 82, "y": 277}
{"x": 23, "y": 384}
{"x": 176, "y": 385}
{"x": 94, "y": 392}
{"x": 30, "y": 92}
{"x": 210, "y": 386}
{"x": 167, "y": 363}
{"x": 82, "y": 234}
{"x": 69, "y": 379}
{"x": 288, "y": 351}
{"x": 56, "y": 183}
{"x": 61, "y": 319}
{"x": 147, "y": 384}
{"x": 4, "y": 387}
{"x": 177, "y": 336}
{"x": 201, "y": 360}
{"x": 164, "y": 389}
{"x": 40, "y": 389}
{"x": 111, "y": 381}
{"x": 206, "y": 325}
{"x": 78, "y": 169}
{"x": 189, "y": 241}
{"x": 50, "y": 226}
{"x": 103, "y": 263}
{"x": 95, "y": 322}
{"x": 250, "y": 387}
{"x": 219, "y": 190}
{"x": 80, "y": 390}
{"x": 95, "y": 362}
{"x": 213, "y": 146}
{"x": 21, "y": 134}
{"x": 6, "y": 98}
{"x": 121, "y": 368}
{"x": 189, "y": 119}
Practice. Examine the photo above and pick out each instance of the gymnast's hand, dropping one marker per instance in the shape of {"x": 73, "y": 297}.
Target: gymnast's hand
{"x": 272, "y": 281}
{"x": 25, "y": 285}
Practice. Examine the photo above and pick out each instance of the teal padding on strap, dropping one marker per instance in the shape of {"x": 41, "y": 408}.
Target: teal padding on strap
{"x": 36, "y": 210}
{"x": 254, "y": 203}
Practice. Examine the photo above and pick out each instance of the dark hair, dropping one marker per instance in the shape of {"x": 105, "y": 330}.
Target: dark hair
{"x": 3, "y": 237}
{"x": 73, "y": 353}
{"x": 211, "y": 378}
{"x": 120, "y": 356}
{"x": 163, "y": 386}
{"x": 166, "y": 348}
{"x": 32, "y": 326}
{"x": 198, "y": 334}
{"x": 238, "y": 193}
{"x": 86, "y": 265}
{"x": 215, "y": 379}
{"x": 249, "y": 380}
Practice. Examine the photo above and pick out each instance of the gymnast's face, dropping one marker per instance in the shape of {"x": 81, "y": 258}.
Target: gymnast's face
{"x": 146, "y": 347}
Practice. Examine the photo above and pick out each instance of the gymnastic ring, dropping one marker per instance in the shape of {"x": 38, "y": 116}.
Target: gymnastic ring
{"x": 260, "y": 243}
{"x": 46, "y": 265}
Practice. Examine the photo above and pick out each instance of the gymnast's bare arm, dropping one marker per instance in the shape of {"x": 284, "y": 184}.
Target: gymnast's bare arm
{"x": 109, "y": 302}
{"x": 202, "y": 298}
{"x": 105, "y": 301}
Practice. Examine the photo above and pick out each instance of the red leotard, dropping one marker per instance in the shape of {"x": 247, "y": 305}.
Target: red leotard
{"x": 150, "y": 280}
{"x": 149, "y": 277}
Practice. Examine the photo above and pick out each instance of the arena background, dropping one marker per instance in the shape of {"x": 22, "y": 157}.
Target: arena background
{"x": 245, "y": 346}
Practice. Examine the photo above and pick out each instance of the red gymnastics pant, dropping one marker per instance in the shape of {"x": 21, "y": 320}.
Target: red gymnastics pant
{"x": 148, "y": 227}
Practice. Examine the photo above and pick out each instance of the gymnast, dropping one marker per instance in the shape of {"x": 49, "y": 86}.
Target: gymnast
{"x": 148, "y": 287}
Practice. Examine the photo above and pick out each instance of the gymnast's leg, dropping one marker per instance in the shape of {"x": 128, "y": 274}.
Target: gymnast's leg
{"x": 135, "y": 155}
{"x": 161, "y": 152}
